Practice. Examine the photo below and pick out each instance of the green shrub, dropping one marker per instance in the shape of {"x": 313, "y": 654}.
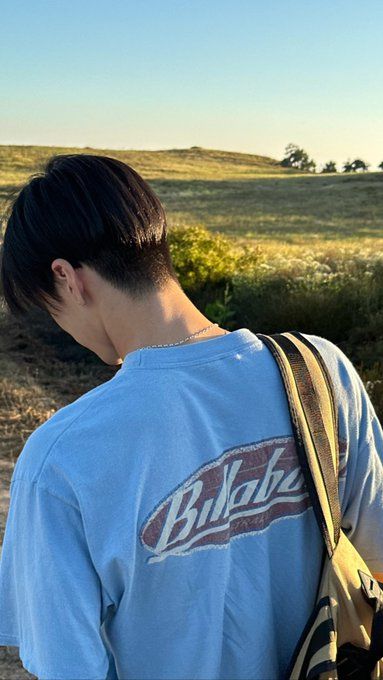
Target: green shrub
{"x": 202, "y": 258}
{"x": 206, "y": 264}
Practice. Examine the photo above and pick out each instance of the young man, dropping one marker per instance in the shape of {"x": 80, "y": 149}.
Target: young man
{"x": 159, "y": 526}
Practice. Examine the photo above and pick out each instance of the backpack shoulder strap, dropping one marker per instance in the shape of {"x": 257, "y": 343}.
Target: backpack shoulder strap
{"x": 314, "y": 419}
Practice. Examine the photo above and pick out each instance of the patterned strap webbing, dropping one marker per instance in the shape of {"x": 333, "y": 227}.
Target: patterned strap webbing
{"x": 330, "y": 388}
{"x": 314, "y": 419}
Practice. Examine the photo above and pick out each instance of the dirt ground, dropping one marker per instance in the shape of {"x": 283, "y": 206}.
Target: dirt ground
{"x": 11, "y": 667}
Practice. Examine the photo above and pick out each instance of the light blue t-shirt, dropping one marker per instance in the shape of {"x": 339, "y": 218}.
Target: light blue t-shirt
{"x": 159, "y": 526}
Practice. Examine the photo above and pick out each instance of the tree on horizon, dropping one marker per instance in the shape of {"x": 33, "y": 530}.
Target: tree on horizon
{"x": 330, "y": 166}
{"x": 356, "y": 165}
{"x": 296, "y": 157}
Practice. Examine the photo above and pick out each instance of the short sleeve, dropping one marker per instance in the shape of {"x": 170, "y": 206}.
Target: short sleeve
{"x": 50, "y": 592}
{"x": 363, "y": 497}
{"x": 361, "y": 468}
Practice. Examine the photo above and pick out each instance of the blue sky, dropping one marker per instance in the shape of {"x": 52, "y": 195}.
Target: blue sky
{"x": 241, "y": 75}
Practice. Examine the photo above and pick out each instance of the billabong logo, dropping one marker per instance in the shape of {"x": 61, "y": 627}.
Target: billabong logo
{"x": 243, "y": 491}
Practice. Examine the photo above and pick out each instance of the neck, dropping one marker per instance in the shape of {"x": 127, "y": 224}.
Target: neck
{"x": 164, "y": 317}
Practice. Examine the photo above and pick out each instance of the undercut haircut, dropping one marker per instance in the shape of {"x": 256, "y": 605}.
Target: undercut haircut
{"x": 87, "y": 209}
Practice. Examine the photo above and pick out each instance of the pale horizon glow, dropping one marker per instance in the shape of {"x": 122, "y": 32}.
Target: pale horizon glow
{"x": 234, "y": 75}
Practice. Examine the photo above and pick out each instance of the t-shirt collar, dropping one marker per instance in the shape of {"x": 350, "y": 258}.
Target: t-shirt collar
{"x": 152, "y": 357}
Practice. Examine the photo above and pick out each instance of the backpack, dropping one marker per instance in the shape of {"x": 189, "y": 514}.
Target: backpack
{"x": 343, "y": 637}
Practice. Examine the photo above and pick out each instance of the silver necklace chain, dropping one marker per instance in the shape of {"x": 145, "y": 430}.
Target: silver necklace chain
{"x": 171, "y": 344}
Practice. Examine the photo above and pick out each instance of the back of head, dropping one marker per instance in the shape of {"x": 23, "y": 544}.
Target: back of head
{"x": 87, "y": 209}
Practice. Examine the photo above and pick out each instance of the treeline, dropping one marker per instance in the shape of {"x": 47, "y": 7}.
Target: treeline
{"x": 296, "y": 157}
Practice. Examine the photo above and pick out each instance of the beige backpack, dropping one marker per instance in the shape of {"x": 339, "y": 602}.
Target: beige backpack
{"x": 343, "y": 637}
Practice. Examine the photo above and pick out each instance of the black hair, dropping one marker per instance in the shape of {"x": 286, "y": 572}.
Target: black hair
{"x": 87, "y": 209}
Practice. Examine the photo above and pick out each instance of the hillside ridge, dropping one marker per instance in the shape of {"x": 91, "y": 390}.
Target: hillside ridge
{"x": 182, "y": 151}
{"x": 17, "y": 161}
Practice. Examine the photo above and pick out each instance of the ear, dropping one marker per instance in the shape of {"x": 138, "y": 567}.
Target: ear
{"x": 66, "y": 275}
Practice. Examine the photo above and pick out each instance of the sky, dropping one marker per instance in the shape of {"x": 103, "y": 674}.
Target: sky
{"x": 237, "y": 75}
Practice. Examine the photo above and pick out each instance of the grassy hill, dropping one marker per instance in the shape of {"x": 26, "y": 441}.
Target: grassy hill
{"x": 17, "y": 162}
{"x": 243, "y": 195}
